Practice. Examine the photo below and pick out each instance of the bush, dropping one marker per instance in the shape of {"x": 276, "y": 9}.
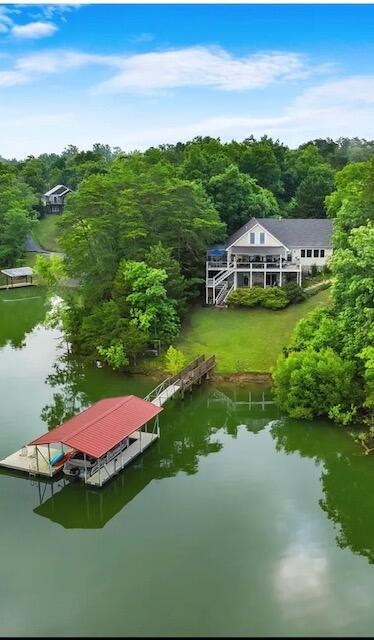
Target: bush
{"x": 274, "y": 298}
{"x": 246, "y": 297}
{"x": 315, "y": 290}
{"x": 175, "y": 360}
{"x": 313, "y": 270}
{"x": 294, "y": 292}
{"x": 312, "y": 383}
{"x": 271, "y": 298}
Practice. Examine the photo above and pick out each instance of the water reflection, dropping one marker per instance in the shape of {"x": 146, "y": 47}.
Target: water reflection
{"x": 20, "y": 312}
{"x": 347, "y": 479}
{"x": 189, "y": 431}
{"x": 68, "y": 376}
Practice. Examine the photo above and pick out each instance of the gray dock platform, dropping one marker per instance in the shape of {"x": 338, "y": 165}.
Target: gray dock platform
{"x": 21, "y": 461}
{"x": 109, "y": 470}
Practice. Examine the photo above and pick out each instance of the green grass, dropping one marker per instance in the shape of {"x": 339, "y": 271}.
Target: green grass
{"x": 244, "y": 341}
{"x": 45, "y": 232}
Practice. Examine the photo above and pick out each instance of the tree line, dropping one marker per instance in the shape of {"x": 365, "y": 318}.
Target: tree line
{"x": 135, "y": 230}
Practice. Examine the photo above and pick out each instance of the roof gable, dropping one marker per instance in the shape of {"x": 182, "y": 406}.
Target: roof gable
{"x": 291, "y": 232}
{"x": 58, "y": 190}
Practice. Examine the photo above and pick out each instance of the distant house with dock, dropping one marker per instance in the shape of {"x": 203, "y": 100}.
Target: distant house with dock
{"x": 53, "y": 199}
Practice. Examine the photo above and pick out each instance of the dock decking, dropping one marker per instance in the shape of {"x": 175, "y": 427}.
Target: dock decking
{"x": 107, "y": 471}
{"x": 18, "y": 285}
{"x": 20, "y": 461}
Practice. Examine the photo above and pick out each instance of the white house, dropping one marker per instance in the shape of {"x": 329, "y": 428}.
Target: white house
{"x": 54, "y": 198}
{"x": 267, "y": 252}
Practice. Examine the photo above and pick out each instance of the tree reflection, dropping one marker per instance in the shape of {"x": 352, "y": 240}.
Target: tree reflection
{"x": 69, "y": 376}
{"x": 347, "y": 478}
{"x": 21, "y": 311}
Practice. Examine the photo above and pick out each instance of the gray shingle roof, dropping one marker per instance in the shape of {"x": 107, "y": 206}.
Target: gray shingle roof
{"x": 58, "y": 190}
{"x": 292, "y": 232}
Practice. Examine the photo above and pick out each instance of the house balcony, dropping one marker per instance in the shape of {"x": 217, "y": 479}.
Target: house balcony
{"x": 251, "y": 264}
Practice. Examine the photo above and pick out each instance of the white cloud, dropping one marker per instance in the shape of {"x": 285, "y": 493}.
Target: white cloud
{"x": 339, "y": 108}
{"x": 34, "y": 30}
{"x": 149, "y": 72}
{"x": 204, "y": 67}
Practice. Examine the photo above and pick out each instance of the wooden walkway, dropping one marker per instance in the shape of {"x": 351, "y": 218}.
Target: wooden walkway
{"x": 183, "y": 381}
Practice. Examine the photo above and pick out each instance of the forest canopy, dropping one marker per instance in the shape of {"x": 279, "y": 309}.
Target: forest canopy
{"x": 135, "y": 230}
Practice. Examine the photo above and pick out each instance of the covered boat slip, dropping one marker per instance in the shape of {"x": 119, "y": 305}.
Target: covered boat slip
{"x": 100, "y": 433}
{"x": 18, "y": 277}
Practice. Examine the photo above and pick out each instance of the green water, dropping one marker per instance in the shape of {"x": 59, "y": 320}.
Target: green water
{"x": 237, "y": 522}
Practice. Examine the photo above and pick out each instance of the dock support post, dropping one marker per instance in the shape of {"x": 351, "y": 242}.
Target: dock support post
{"x": 49, "y": 461}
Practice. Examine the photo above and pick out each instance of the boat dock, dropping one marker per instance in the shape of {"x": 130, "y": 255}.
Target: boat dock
{"x": 99, "y": 442}
{"x": 18, "y": 277}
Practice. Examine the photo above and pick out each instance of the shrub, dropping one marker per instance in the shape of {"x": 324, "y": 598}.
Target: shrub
{"x": 294, "y": 292}
{"x": 313, "y": 383}
{"x": 246, "y": 297}
{"x": 312, "y": 292}
{"x": 274, "y": 298}
{"x": 175, "y": 360}
{"x": 313, "y": 270}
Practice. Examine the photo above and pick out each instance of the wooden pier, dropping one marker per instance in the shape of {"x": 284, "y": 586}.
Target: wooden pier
{"x": 183, "y": 381}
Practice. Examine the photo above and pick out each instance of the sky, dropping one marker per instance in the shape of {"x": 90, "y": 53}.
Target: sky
{"x": 135, "y": 76}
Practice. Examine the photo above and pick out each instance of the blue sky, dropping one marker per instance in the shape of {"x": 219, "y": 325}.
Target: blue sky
{"x": 140, "y": 75}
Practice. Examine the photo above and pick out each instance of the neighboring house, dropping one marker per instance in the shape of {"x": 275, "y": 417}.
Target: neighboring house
{"x": 267, "y": 252}
{"x": 53, "y": 199}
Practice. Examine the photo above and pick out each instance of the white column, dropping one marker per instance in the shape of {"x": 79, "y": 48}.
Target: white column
{"x": 250, "y": 275}
{"x": 280, "y": 271}
{"x": 235, "y": 278}
{"x": 300, "y": 274}
{"x": 264, "y": 275}
{"x": 206, "y": 282}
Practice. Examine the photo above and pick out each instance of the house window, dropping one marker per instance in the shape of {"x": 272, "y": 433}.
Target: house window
{"x": 262, "y": 237}
{"x": 308, "y": 253}
{"x": 252, "y": 237}
{"x": 322, "y": 253}
{"x": 316, "y": 253}
{"x": 303, "y": 253}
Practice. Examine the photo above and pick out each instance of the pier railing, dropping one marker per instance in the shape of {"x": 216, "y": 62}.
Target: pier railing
{"x": 183, "y": 380}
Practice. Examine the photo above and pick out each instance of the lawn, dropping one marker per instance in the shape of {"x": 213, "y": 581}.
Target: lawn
{"x": 247, "y": 340}
{"x": 45, "y": 232}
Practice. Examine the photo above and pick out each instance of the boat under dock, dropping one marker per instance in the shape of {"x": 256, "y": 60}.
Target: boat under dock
{"x": 110, "y": 469}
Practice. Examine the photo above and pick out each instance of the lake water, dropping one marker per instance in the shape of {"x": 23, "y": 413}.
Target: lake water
{"x": 236, "y": 522}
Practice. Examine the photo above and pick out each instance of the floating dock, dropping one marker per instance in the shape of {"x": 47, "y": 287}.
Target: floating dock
{"x": 103, "y": 439}
{"x": 32, "y": 462}
{"x": 18, "y": 277}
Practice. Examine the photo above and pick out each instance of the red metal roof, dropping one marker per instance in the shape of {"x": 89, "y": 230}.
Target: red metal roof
{"x": 103, "y": 425}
